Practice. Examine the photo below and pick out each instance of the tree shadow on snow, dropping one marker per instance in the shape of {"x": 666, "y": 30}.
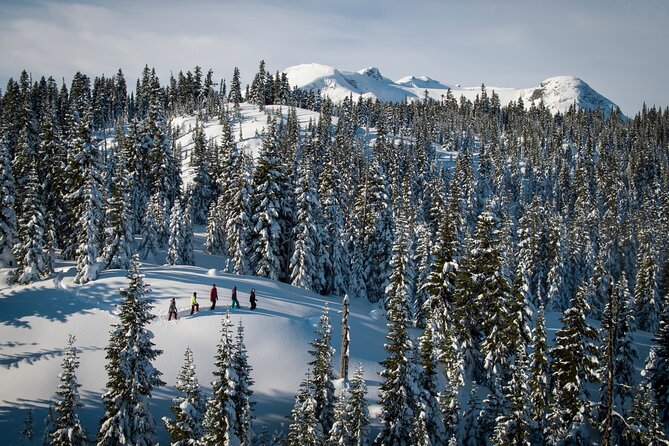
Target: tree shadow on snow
{"x": 37, "y": 300}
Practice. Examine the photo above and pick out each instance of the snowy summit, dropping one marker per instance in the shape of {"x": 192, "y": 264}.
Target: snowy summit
{"x": 557, "y": 93}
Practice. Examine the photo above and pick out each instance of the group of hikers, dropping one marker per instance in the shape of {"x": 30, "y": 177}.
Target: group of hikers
{"x": 213, "y": 297}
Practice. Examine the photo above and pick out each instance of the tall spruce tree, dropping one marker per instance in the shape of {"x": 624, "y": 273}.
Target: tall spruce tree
{"x": 396, "y": 398}
{"x": 67, "y": 427}
{"x": 220, "y": 419}
{"x": 574, "y": 365}
{"x": 132, "y": 377}
{"x": 243, "y": 392}
{"x": 29, "y": 251}
{"x": 188, "y": 408}
{"x": 8, "y": 225}
{"x": 322, "y": 373}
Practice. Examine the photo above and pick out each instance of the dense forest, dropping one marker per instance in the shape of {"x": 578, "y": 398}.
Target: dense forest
{"x": 466, "y": 221}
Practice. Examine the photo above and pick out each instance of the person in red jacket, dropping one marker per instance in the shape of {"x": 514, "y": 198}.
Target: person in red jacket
{"x": 213, "y": 296}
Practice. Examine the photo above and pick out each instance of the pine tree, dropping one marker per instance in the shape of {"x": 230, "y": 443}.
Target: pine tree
{"x": 306, "y": 271}
{"x": 237, "y": 192}
{"x": 396, "y": 400}
{"x": 428, "y": 381}
{"x": 220, "y": 419}
{"x": 646, "y": 294}
{"x": 471, "y": 433}
{"x": 119, "y": 244}
{"x": 235, "y": 89}
{"x": 29, "y": 252}
{"x": 266, "y": 204}
{"x": 151, "y": 229}
{"x": 539, "y": 378}
{"x": 180, "y": 246}
{"x": 339, "y": 433}
{"x": 659, "y": 370}
{"x": 574, "y": 364}
{"x": 131, "y": 375}
{"x": 322, "y": 373}
{"x": 49, "y": 425}
{"x": 644, "y": 423}
{"x": 358, "y": 413}
{"x": 68, "y": 430}
{"x": 8, "y": 227}
{"x": 188, "y": 409}
{"x": 336, "y": 262}
{"x": 243, "y": 392}
{"x": 617, "y": 361}
{"x": 304, "y": 429}
{"x": 89, "y": 203}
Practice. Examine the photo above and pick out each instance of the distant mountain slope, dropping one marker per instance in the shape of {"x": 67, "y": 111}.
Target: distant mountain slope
{"x": 558, "y": 93}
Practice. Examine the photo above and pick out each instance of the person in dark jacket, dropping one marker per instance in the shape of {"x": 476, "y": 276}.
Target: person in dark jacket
{"x": 173, "y": 310}
{"x": 235, "y": 302}
{"x": 213, "y": 296}
{"x": 252, "y": 299}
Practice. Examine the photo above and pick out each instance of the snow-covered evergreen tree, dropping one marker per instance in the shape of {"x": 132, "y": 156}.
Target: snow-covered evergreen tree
{"x": 659, "y": 370}
{"x": 574, "y": 365}
{"x": 539, "y": 378}
{"x": 67, "y": 427}
{"x": 220, "y": 419}
{"x": 151, "y": 229}
{"x": 358, "y": 413}
{"x": 119, "y": 242}
{"x": 396, "y": 399}
{"x": 306, "y": 270}
{"x": 180, "y": 245}
{"x": 646, "y": 294}
{"x": 266, "y": 204}
{"x": 305, "y": 429}
{"x": 8, "y": 226}
{"x": 89, "y": 203}
{"x": 131, "y": 374}
{"x": 29, "y": 251}
{"x": 322, "y": 373}
{"x": 188, "y": 408}
{"x": 243, "y": 392}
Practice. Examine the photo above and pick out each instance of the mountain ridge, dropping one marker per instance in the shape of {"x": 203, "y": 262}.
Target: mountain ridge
{"x": 558, "y": 93}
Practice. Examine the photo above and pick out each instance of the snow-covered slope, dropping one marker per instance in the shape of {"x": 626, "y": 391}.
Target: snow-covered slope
{"x": 35, "y": 321}
{"x": 557, "y": 93}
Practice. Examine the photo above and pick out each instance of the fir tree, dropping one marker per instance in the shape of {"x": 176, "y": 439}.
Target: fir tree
{"x": 243, "y": 392}
{"x": 305, "y": 267}
{"x": 89, "y": 200}
{"x": 305, "y": 428}
{"x": 119, "y": 244}
{"x": 266, "y": 204}
{"x": 659, "y": 370}
{"x": 574, "y": 364}
{"x": 539, "y": 378}
{"x": 220, "y": 419}
{"x": 131, "y": 375}
{"x": 188, "y": 408}
{"x": 358, "y": 413}
{"x": 68, "y": 430}
{"x": 322, "y": 373}
{"x": 29, "y": 252}
{"x": 646, "y": 295}
{"x": 396, "y": 400}
{"x": 8, "y": 227}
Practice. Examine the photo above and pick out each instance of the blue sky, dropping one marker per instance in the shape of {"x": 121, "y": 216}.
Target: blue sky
{"x": 617, "y": 46}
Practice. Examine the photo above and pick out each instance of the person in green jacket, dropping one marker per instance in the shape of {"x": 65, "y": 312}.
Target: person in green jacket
{"x": 194, "y": 306}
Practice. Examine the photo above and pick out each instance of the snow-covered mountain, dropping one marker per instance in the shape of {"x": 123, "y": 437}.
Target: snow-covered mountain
{"x": 558, "y": 93}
